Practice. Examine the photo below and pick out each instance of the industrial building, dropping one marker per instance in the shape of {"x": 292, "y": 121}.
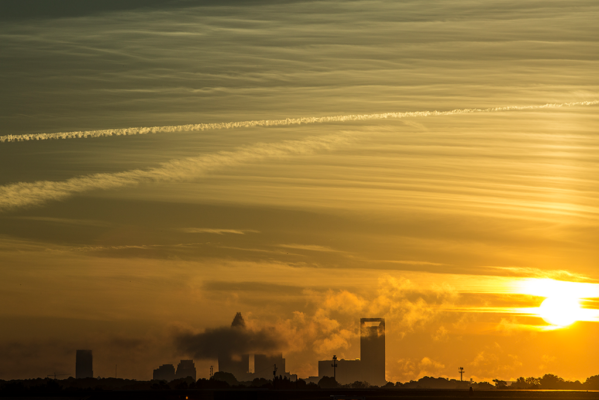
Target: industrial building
{"x": 347, "y": 371}
{"x": 84, "y": 364}
{"x": 238, "y": 366}
{"x": 371, "y": 365}
{"x": 165, "y": 372}
{"x": 264, "y": 366}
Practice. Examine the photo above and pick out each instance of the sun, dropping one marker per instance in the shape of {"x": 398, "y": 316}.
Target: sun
{"x": 560, "y": 310}
{"x": 565, "y": 302}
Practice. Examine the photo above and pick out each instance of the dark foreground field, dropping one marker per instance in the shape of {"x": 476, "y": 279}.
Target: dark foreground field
{"x": 323, "y": 394}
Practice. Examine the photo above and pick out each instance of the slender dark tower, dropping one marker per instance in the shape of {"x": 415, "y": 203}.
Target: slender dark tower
{"x": 84, "y": 364}
{"x": 372, "y": 350}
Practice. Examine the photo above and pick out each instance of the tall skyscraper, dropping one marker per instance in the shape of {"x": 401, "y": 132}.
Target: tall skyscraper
{"x": 84, "y": 364}
{"x": 372, "y": 350}
{"x": 240, "y": 364}
{"x": 370, "y": 367}
{"x": 186, "y": 368}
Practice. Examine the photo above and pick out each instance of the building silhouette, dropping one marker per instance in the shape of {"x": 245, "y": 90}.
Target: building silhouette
{"x": 238, "y": 321}
{"x": 370, "y": 367}
{"x": 84, "y": 364}
{"x": 372, "y": 350}
{"x": 186, "y": 368}
{"x": 348, "y": 371}
{"x": 165, "y": 372}
{"x": 239, "y": 365}
{"x": 263, "y": 364}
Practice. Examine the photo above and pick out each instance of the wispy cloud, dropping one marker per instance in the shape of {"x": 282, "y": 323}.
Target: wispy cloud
{"x": 310, "y": 247}
{"x": 407, "y": 262}
{"x": 180, "y": 170}
{"x": 529, "y": 272}
{"x": 218, "y": 231}
{"x": 68, "y": 221}
{"x": 278, "y": 122}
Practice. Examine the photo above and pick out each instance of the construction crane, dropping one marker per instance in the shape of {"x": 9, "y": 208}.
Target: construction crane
{"x": 54, "y": 375}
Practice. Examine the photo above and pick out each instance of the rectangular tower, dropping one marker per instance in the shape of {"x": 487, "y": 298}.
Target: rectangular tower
{"x": 372, "y": 350}
{"x": 84, "y": 364}
{"x": 185, "y": 369}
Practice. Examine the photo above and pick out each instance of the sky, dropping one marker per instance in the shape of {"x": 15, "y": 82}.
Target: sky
{"x": 166, "y": 164}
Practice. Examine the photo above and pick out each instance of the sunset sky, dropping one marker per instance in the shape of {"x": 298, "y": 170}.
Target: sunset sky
{"x": 453, "y": 226}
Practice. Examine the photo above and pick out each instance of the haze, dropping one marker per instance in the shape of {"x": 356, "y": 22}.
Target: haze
{"x": 453, "y": 227}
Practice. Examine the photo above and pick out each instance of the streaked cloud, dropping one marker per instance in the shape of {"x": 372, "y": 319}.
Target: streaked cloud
{"x": 284, "y": 122}
{"x": 406, "y": 262}
{"x": 69, "y": 221}
{"x": 310, "y": 247}
{"x": 434, "y": 220}
{"x": 27, "y": 194}
{"x": 529, "y": 272}
{"x": 218, "y": 231}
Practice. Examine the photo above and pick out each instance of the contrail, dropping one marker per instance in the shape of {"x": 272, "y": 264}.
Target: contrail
{"x": 180, "y": 170}
{"x": 276, "y": 122}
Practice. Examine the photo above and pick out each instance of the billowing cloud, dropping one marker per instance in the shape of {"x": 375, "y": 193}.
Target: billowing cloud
{"x": 410, "y": 305}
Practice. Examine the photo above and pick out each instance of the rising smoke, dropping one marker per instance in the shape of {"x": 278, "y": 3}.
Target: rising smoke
{"x": 279, "y": 122}
{"x": 235, "y": 340}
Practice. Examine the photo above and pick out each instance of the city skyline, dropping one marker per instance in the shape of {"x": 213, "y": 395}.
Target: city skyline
{"x": 241, "y": 369}
{"x": 166, "y": 164}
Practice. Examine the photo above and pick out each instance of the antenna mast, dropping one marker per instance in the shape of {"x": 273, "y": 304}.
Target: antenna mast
{"x": 334, "y": 365}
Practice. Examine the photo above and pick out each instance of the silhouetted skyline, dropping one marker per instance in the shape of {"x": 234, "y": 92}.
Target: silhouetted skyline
{"x": 165, "y": 164}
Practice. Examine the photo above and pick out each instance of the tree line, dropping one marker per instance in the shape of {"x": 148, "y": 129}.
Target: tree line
{"x": 551, "y": 382}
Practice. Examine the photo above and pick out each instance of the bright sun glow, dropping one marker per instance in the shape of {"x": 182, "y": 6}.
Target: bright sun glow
{"x": 563, "y": 300}
{"x": 560, "y": 311}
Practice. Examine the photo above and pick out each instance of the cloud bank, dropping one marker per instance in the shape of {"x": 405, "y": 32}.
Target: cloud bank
{"x": 280, "y": 122}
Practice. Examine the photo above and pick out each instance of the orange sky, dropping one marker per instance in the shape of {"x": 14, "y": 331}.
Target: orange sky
{"x": 455, "y": 227}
